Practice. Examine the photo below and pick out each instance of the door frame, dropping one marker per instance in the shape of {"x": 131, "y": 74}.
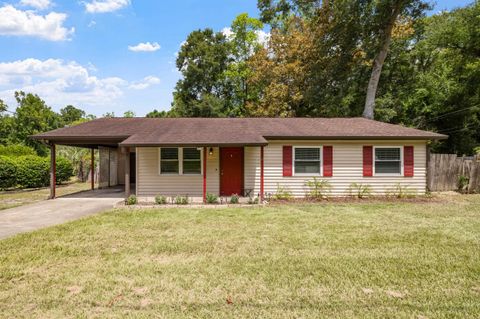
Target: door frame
{"x": 242, "y": 167}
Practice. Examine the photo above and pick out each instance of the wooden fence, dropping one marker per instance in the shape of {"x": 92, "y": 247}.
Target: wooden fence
{"x": 444, "y": 171}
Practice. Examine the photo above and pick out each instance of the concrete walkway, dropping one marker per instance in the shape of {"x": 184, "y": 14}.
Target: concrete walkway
{"x": 53, "y": 212}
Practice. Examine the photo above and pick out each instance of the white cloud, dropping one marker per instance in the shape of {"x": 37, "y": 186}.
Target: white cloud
{"x": 37, "y": 4}
{"x": 27, "y": 23}
{"x": 102, "y": 6}
{"x": 145, "y": 83}
{"x": 91, "y": 23}
{"x": 60, "y": 83}
{"x": 145, "y": 47}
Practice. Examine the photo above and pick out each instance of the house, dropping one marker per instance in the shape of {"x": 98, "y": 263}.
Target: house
{"x": 249, "y": 156}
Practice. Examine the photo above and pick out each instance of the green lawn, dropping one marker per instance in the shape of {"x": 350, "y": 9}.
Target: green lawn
{"x": 14, "y": 198}
{"x": 402, "y": 260}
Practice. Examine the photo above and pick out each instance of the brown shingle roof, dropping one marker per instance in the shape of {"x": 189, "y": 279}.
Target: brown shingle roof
{"x": 231, "y": 131}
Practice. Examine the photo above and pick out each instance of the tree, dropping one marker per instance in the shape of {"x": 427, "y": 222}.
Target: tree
{"x": 70, "y": 114}
{"x": 33, "y": 116}
{"x": 129, "y": 114}
{"x": 278, "y": 80}
{"x": 202, "y": 60}
{"x": 385, "y": 16}
{"x": 156, "y": 114}
{"x": 244, "y": 43}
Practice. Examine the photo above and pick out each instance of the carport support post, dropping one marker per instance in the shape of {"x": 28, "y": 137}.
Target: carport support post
{"x": 53, "y": 171}
{"x": 127, "y": 172}
{"x": 205, "y": 175}
{"x": 92, "y": 168}
{"x": 261, "y": 175}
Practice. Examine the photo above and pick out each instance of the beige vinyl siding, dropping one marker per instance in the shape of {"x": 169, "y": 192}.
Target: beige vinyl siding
{"x": 151, "y": 183}
{"x": 252, "y": 169}
{"x": 347, "y": 168}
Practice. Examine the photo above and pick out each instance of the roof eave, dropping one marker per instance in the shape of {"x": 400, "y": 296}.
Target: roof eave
{"x": 425, "y": 138}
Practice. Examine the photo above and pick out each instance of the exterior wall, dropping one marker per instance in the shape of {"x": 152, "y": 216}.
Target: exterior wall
{"x": 347, "y": 168}
{"x": 151, "y": 183}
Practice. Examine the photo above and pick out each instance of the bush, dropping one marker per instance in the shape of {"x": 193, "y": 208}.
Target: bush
{"x": 211, "y": 198}
{"x": 160, "y": 200}
{"x": 359, "y": 190}
{"x": 234, "y": 199}
{"x": 283, "y": 193}
{"x": 401, "y": 191}
{"x": 8, "y": 172}
{"x": 252, "y": 200}
{"x": 64, "y": 169}
{"x": 462, "y": 183}
{"x": 181, "y": 200}
{"x": 131, "y": 200}
{"x": 16, "y": 150}
{"x": 32, "y": 171}
{"x": 318, "y": 189}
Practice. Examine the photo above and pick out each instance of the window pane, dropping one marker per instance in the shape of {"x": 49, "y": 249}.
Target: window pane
{"x": 307, "y": 167}
{"x": 169, "y": 153}
{"x": 191, "y": 167}
{"x": 387, "y": 154}
{"x": 169, "y": 167}
{"x": 191, "y": 153}
{"x": 312, "y": 154}
{"x": 387, "y": 167}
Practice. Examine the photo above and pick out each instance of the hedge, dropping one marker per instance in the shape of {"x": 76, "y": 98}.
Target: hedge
{"x": 64, "y": 169}
{"x": 8, "y": 172}
{"x": 31, "y": 171}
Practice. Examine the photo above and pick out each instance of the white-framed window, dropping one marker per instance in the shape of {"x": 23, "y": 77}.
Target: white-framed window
{"x": 192, "y": 161}
{"x": 169, "y": 160}
{"x": 307, "y": 160}
{"x": 388, "y": 160}
{"x": 180, "y": 161}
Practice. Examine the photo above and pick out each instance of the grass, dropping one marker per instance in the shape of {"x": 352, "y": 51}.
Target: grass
{"x": 374, "y": 260}
{"x": 14, "y": 198}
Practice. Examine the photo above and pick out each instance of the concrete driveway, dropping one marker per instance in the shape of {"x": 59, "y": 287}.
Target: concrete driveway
{"x": 60, "y": 210}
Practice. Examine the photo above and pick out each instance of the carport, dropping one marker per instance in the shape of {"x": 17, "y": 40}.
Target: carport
{"x": 114, "y": 162}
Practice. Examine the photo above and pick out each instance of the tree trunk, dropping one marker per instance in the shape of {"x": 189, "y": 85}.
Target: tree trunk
{"x": 369, "y": 109}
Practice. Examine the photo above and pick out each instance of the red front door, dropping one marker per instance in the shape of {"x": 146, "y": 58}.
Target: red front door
{"x": 231, "y": 171}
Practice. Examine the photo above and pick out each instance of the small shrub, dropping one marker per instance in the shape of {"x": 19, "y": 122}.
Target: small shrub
{"x": 211, "y": 198}
{"x": 16, "y": 150}
{"x": 181, "y": 200}
{"x": 131, "y": 200}
{"x": 400, "y": 191}
{"x": 462, "y": 183}
{"x": 64, "y": 169}
{"x": 318, "y": 189}
{"x": 32, "y": 171}
{"x": 283, "y": 192}
{"x": 8, "y": 172}
{"x": 160, "y": 200}
{"x": 360, "y": 190}
{"x": 252, "y": 200}
{"x": 234, "y": 199}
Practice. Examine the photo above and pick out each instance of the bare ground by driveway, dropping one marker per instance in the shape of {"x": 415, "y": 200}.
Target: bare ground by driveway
{"x": 53, "y": 212}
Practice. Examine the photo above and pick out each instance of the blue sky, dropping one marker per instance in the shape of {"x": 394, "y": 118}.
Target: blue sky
{"x": 106, "y": 55}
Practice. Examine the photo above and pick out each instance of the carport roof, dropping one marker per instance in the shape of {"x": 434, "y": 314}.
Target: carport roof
{"x": 226, "y": 131}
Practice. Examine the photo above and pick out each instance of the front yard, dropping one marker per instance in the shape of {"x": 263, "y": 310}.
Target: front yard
{"x": 14, "y": 198}
{"x": 365, "y": 259}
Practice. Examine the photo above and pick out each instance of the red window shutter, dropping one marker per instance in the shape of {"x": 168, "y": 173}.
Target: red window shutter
{"x": 408, "y": 161}
{"x": 328, "y": 161}
{"x": 287, "y": 160}
{"x": 368, "y": 161}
